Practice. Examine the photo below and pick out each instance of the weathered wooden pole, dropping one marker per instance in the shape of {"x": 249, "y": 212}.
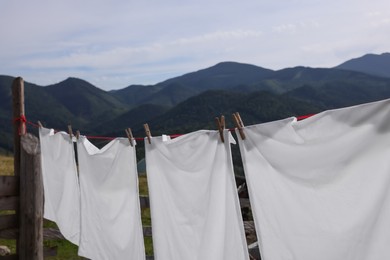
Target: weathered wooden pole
{"x": 31, "y": 200}
{"x": 27, "y": 165}
{"x": 18, "y": 112}
{"x": 18, "y": 116}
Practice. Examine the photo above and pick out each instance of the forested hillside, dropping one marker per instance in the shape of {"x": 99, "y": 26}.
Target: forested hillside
{"x": 191, "y": 101}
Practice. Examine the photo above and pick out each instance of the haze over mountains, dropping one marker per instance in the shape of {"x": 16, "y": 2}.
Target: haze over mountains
{"x": 190, "y": 102}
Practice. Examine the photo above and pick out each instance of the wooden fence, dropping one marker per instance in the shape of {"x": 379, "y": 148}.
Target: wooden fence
{"x": 21, "y": 195}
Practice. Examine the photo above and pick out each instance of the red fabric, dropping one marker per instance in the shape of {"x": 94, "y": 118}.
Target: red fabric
{"x": 22, "y": 119}
{"x": 304, "y": 117}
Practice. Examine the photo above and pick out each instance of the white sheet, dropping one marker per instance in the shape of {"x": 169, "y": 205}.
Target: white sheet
{"x": 60, "y": 183}
{"x": 110, "y": 211}
{"x": 320, "y": 188}
{"x": 194, "y": 204}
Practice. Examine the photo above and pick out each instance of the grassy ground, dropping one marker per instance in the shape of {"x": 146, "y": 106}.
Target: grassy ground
{"x": 145, "y": 214}
{"x": 7, "y": 168}
{"x": 6, "y": 165}
{"x": 65, "y": 249}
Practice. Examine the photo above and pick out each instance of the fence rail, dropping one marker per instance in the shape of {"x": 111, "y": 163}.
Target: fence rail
{"x": 9, "y": 186}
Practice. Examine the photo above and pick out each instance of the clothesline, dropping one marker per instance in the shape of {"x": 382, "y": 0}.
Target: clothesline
{"x": 24, "y": 121}
{"x": 329, "y": 197}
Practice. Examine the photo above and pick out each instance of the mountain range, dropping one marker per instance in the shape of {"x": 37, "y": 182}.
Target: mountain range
{"x": 191, "y": 101}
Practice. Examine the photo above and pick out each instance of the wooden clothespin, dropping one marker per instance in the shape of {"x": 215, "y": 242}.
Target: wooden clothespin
{"x": 77, "y": 134}
{"x": 70, "y": 131}
{"x": 147, "y": 132}
{"x": 239, "y": 124}
{"x": 40, "y": 124}
{"x": 130, "y": 136}
{"x": 220, "y": 126}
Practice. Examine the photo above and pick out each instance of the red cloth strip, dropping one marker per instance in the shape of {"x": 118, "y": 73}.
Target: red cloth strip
{"x": 304, "y": 117}
{"x": 31, "y": 123}
{"x": 23, "y": 120}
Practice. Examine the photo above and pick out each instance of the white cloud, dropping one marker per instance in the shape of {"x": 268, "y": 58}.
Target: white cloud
{"x": 219, "y": 36}
{"x": 117, "y": 43}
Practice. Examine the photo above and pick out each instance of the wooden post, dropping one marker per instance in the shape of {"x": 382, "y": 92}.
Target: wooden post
{"x": 27, "y": 165}
{"x": 18, "y": 111}
{"x": 31, "y": 200}
{"x": 19, "y": 126}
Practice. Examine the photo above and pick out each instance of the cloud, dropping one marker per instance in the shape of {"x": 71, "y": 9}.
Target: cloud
{"x": 292, "y": 28}
{"x": 115, "y": 58}
{"x": 117, "y": 43}
{"x": 218, "y": 36}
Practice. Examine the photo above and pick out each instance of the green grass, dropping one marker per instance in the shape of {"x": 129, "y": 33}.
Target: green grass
{"x": 145, "y": 214}
{"x": 6, "y": 165}
{"x": 7, "y": 168}
{"x": 65, "y": 249}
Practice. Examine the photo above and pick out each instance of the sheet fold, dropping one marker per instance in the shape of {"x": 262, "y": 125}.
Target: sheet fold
{"x": 111, "y": 220}
{"x": 320, "y": 188}
{"x": 194, "y": 204}
{"x": 60, "y": 183}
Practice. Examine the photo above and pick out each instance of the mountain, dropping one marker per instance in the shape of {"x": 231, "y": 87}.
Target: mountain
{"x": 335, "y": 94}
{"x": 285, "y": 80}
{"x": 84, "y": 100}
{"x": 200, "y": 111}
{"x": 134, "y": 95}
{"x": 242, "y": 78}
{"x": 39, "y": 105}
{"x": 5, "y": 95}
{"x": 374, "y": 64}
{"x": 191, "y": 101}
{"x": 171, "y": 92}
{"x": 135, "y": 117}
{"x": 171, "y": 95}
{"x": 72, "y": 101}
{"x": 223, "y": 75}
{"x": 6, "y": 141}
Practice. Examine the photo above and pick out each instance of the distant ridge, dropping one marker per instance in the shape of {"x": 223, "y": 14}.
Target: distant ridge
{"x": 191, "y": 101}
{"x": 83, "y": 99}
{"x": 221, "y": 76}
{"x": 224, "y": 75}
{"x": 374, "y": 64}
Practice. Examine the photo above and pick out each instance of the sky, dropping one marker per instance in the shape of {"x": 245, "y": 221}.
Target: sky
{"x": 117, "y": 43}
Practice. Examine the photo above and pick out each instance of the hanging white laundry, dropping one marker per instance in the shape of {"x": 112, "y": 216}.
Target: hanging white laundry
{"x": 193, "y": 198}
{"x": 320, "y": 188}
{"x": 110, "y": 210}
{"x": 60, "y": 183}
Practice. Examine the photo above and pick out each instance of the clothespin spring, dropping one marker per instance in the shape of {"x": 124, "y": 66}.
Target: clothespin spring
{"x": 147, "y": 132}
{"x": 239, "y": 124}
{"x": 220, "y": 126}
